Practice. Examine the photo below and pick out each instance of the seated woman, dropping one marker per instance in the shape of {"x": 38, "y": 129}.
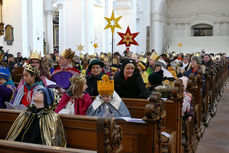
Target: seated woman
{"x": 129, "y": 82}
{"x": 31, "y": 85}
{"x": 38, "y": 123}
{"x": 107, "y": 103}
{"x": 7, "y": 88}
{"x": 76, "y": 100}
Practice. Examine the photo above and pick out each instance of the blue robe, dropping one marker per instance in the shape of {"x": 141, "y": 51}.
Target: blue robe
{"x": 117, "y": 107}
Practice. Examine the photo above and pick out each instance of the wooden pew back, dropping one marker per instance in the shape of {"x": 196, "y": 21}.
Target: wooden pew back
{"x": 81, "y": 132}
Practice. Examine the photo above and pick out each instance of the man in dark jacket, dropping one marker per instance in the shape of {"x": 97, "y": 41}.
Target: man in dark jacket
{"x": 207, "y": 62}
{"x": 95, "y": 73}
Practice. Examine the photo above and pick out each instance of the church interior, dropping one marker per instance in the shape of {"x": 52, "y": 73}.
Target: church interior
{"x": 114, "y": 76}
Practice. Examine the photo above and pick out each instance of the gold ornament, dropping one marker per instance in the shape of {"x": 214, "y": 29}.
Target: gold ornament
{"x": 113, "y": 22}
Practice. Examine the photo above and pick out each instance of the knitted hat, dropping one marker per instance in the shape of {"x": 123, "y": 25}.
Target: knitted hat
{"x": 127, "y": 61}
{"x": 4, "y": 72}
{"x": 51, "y": 97}
{"x": 155, "y": 78}
{"x": 95, "y": 62}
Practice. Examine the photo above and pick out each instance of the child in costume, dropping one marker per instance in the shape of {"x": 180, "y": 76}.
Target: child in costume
{"x": 32, "y": 84}
{"x": 38, "y": 123}
{"x": 107, "y": 103}
{"x": 76, "y": 100}
{"x": 7, "y": 88}
{"x": 187, "y": 110}
{"x": 65, "y": 71}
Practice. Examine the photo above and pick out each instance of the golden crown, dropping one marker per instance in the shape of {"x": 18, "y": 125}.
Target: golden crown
{"x": 105, "y": 86}
{"x": 35, "y": 55}
{"x": 154, "y": 56}
{"x": 68, "y": 54}
{"x": 77, "y": 78}
{"x": 31, "y": 68}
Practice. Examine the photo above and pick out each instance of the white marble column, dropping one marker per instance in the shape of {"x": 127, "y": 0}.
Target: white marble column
{"x": 62, "y": 43}
{"x": 159, "y": 19}
{"x": 37, "y": 23}
{"x": 49, "y": 25}
{"x": 89, "y": 31}
{"x": 107, "y": 37}
{"x": 25, "y": 25}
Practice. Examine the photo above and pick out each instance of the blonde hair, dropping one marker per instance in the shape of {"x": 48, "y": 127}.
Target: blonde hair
{"x": 77, "y": 83}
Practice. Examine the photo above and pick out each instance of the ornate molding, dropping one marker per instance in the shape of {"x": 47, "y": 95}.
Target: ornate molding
{"x": 198, "y": 17}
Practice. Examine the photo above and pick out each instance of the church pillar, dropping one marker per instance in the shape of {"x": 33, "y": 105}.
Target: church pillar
{"x": 108, "y": 7}
{"x": 89, "y": 22}
{"x": 62, "y": 44}
{"x": 158, "y": 25}
{"x": 49, "y": 25}
{"x": 36, "y": 21}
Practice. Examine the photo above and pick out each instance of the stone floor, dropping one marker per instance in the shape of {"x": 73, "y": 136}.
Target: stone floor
{"x": 216, "y": 136}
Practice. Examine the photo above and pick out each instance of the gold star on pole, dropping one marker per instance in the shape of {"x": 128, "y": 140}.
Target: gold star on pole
{"x": 95, "y": 45}
{"x": 80, "y": 47}
{"x": 113, "y": 22}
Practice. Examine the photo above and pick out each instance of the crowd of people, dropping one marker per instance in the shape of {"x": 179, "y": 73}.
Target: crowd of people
{"x": 66, "y": 83}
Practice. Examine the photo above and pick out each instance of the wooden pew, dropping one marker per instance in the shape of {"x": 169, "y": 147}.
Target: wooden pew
{"x": 172, "y": 107}
{"x": 82, "y": 132}
{"x": 20, "y": 147}
{"x": 137, "y": 137}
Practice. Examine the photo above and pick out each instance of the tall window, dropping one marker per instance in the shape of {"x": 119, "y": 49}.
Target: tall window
{"x": 202, "y": 30}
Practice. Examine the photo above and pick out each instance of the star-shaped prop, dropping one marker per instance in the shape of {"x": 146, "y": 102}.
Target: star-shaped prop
{"x": 80, "y": 47}
{"x": 95, "y": 45}
{"x": 113, "y": 22}
{"x": 128, "y": 38}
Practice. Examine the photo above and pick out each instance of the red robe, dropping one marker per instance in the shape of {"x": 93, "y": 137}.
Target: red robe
{"x": 81, "y": 104}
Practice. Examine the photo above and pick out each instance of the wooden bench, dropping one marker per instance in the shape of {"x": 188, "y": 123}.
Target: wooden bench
{"x": 172, "y": 107}
{"x": 82, "y": 132}
{"x": 20, "y": 147}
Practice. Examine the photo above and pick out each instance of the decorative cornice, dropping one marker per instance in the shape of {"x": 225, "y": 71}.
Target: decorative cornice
{"x": 212, "y": 18}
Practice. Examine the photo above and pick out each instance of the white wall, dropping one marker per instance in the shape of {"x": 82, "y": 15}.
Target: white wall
{"x": 12, "y": 15}
{"x": 184, "y": 14}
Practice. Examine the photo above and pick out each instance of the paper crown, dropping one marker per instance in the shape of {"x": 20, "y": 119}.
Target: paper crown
{"x": 140, "y": 63}
{"x": 105, "y": 86}
{"x": 68, "y": 54}
{"x": 114, "y": 69}
{"x": 154, "y": 56}
{"x": 4, "y": 72}
{"x": 35, "y": 55}
{"x": 31, "y": 68}
{"x": 77, "y": 78}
